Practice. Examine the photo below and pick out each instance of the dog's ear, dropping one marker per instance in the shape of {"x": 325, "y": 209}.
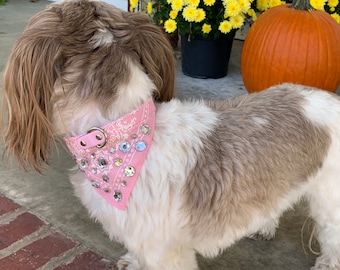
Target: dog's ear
{"x": 156, "y": 55}
{"x": 29, "y": 78}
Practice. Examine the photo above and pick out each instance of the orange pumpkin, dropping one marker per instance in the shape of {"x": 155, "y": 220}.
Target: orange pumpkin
{"x": 287, "y": 44}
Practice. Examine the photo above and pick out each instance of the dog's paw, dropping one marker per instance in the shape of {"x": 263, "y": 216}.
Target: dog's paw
{"x": 261, "y": 236}
{"x": 323, "y": 263}
{"x": 128, "y": 262}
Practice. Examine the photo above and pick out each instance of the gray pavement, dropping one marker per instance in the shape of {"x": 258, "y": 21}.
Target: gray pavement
{"x": 50, "y": 195}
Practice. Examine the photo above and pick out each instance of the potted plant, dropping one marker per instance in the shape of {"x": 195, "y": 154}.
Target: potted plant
{"x": 206, "y": 28}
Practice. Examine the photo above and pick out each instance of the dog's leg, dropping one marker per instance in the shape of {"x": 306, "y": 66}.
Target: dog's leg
{"x": 267, "y": 232}
{"x": 181, "y": 258}
{"x": 325, "y": 209}
{"x": 128, "y": 262}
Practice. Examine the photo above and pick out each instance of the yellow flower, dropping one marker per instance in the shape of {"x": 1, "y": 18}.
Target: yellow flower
{"x": 177, "y": 5}
{"x": 149, "y": 7}
{"x": 232, "y": 8}
{"x": 133, "y": 4}
{"x": 262, "y": 5}
{"x": 206, "y": 28}
{"x": 173, "y": 14}
{"x": 193, "y": 3}
{"x": 237, "y": 21}
{"x": 189, "y": 13}
{"x": 200, "y": 15}
{"x": 209, "y": 2}
{"x": 225, "y": 27}
{"x": 252, "y": 14}
{"x": 336, "y": 17}
{"x": 332, "y": 3}
{"x": 244, "y": 5}
{"x": 318, "y": 4}
{"x": 170, "y": 26}
{"x": 274, "y": 3}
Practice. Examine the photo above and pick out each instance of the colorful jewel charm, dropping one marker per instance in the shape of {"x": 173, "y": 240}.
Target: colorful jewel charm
{"x": 145, "y": 129}
{"x": 118, "y": 162}
{"x": 129, "y": 171}
{"x": 95, "y": 184}
{"x": 102, "y": 163}
{"x": 105, "y": 178}
{"x": 84, "y": 163}
{"x": 140, "y": 146}
{"x": 117, "y": 195}
{"x": 124, "y": 147}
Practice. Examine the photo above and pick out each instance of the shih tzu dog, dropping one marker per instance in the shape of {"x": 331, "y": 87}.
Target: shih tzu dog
{"x": 167, "y": 178}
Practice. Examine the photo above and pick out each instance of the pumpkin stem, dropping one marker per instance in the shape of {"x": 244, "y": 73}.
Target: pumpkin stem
{"x": 302, "y": 5}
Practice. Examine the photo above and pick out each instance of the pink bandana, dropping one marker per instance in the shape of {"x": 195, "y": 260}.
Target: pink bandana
{"x": 112, "y": 156}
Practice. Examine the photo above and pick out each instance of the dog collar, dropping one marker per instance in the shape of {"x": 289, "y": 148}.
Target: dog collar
{"x": 112, "y": 156}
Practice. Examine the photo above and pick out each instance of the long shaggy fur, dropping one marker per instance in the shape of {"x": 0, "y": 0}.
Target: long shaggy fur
{"x": 216, "y": 170}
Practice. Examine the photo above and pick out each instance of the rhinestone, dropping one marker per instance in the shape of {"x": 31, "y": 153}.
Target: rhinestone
{"x": 112, "y": 150}
{"x": 102, "y": 163}
{"x": 129, "y": 171}
{"x": 94, "y": 170}
{"x": 105, "y": 178}
{"x": 117, "y": 195}
{"x": 106, "y": 190}
{"x": 140, "y": 146}
{"x": 82, "y": 143}
{"x": 95, "y": 184}
{"x": 84, "y": 163}
{"x": 134, "y": 136}
{"x": 145, "y": 129}
{"x": 93, "y": 155}
{"x": 123, "y": 183}
{"x": 124, "y": 147}
{"x": 118, "y": 162}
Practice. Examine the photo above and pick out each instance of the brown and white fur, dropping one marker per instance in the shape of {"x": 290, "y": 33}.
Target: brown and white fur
{"x": 216, "y": 171}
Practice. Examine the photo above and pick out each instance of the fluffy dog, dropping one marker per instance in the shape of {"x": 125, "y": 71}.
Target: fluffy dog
{"x": 167, "y": 178}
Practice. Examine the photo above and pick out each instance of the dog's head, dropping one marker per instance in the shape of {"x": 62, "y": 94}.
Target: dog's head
{"x": 74, "y": 53}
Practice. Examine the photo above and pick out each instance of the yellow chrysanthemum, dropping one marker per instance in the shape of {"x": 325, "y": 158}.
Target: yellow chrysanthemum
{"x": 206, "y": 28}
{"x": 237, "y": 21}
{"x": 336, "y": 17}
{"x": 209, "y": 2}
{"x": 173, "y": 14}
{"x": 133, "y": 4}
{"x": 274, "y": 3}
{"x": 177, "y": 5}
{"x": 189, "y": 13}
{"x": 193, "y": 3}
{"x": 262, "y": 5}
{"x": 149, "y": 7}
{"x": 318, "y": 4}
{"x": 170, "y": 26}
{"x": 244, "y": 5}
{"x": 169, "y": 1}
{"x": 232, "y": 8}
{"x": 200, "y": 15}
{"x": 251, "y": 12}
{"x": 332, "y": 3}
{"x": 225, "y": 27}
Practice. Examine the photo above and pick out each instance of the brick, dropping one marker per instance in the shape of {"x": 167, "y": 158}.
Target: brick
{"x": 37, "y": 253}
{"x": 88, "y": 261}
{"x": 7, "y": 205}
{"x": 18, "y": 228}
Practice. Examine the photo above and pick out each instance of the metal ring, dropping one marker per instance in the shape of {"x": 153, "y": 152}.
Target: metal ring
{"x": 102, "y": 131}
